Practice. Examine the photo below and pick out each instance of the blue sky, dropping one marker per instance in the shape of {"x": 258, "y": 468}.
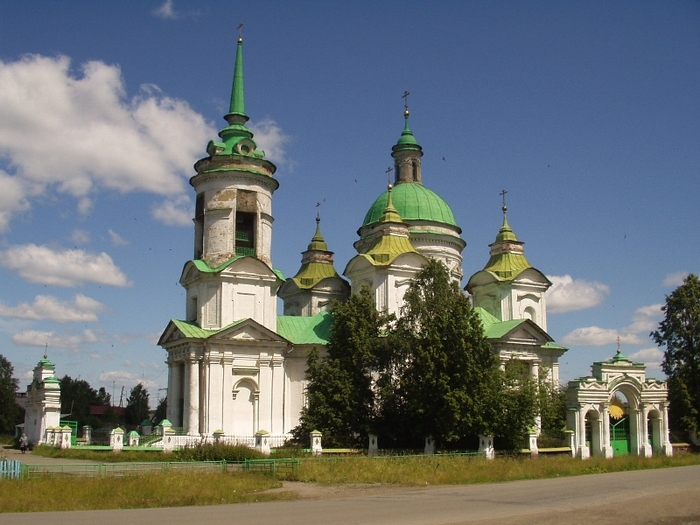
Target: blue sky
{"x": 588, "y": 113}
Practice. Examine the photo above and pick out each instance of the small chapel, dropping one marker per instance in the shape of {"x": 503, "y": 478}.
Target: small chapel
{"x": 236, "y": 366}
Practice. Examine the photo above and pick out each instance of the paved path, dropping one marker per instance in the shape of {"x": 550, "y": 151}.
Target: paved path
{"x": 664, "y": 496}
{"x": 31, "y": 459}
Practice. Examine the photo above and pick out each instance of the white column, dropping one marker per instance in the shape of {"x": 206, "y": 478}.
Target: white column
{"x": 170, "y": 410}
{"x": 584, "y": 452}
{"x": 665, "y": 431}
{"x": 277, "y": 415}
{"x": 192, "y": 397}
{"x": 605, "y": 438}
{"x": 214, "y": 409}
{"x": 204, "y": 393}
{"x": 227, "y": 395}
{"x": 264, "y": 416}
{"x": 175, "y": 394}
{"x": 645, "y": 448}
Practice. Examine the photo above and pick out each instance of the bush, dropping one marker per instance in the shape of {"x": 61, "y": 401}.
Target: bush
{"x": 217, "y": 452}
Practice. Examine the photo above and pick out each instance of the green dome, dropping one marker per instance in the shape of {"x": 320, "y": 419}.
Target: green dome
{"x": 414, "y": 202}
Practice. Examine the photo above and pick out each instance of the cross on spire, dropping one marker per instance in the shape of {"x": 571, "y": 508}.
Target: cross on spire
{"x": 240, "y": 31}
{"x": 503, "y": 195}
{"x": 318, "y": 211}
{"x": 405, "y": 100}
{"x": 388, "y": 175}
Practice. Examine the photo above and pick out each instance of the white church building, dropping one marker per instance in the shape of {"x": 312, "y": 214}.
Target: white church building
{"x": 236, "y": 366}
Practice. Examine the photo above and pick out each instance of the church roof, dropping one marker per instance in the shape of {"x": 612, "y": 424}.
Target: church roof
{"x": 305, "y": 330}
{"x": 297, "y": 330}
{"x": 317, "y": 262}
{"x": 203, "y": 267}
{"x": 390, "y": 236}
{"x": 507, "y": 259}
{"x": 414, "y": 202}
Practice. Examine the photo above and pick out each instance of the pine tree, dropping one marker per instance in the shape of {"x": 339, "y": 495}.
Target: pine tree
{"x": 444, "y": 380}
{"x": 340, "y": 391}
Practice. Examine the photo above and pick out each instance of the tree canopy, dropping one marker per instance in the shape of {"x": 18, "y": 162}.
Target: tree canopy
{"x": 77, "y": 396}
{"x": 431, "y": 373}
{"x": 679, "y": 333}
{"x": 10, "y": 411}
{"x": 137, "y": 405}
{"x": 340, "y": 395}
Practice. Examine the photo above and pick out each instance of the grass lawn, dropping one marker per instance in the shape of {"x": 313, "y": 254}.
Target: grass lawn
{"x": 166, "y": 489}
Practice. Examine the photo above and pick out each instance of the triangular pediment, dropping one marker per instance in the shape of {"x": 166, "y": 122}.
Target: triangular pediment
{"x": 248, "y": 330}
{"x": 523, "y": 331}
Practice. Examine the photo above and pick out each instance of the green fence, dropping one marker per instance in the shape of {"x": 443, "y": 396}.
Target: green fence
{"x": 283, "y": 468}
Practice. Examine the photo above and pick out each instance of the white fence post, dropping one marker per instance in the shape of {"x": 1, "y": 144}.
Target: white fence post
{"x": 486, "y": 446}
{"x": 316, "y": 448}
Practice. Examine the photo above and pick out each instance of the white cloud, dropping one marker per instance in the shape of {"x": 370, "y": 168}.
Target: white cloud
{"x": 101, "y": 357}
{"x": 78, "y": 133}
{"x": 43, "y": 265}
{"x": 567, "y": 294}
{"x": 177, "y": 211}
{"x": 270, "y": 138}
{"x": 117, "y": 239}
{"x": 596, "y": 336}
{"x": 128, "y": 379}
{"x": 80, "y": 237}
{"x": 54, "y": 340}
{"x": 165, "y": 11}
{"x": 14, "y": 195}
{"x": 82, "y": 309}
{"x": 651, "y": 357}
{"x": 675, "y": 279}
{"x": 645, "y": 319}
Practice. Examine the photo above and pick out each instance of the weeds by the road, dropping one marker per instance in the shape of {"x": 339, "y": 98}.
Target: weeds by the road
{"x": 214, "y": 452}
{"x": 439, "y": 470}
{"x": 169, "y": 489}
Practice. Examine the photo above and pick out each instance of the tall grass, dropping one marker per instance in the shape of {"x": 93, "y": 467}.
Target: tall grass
{"x": 169, "y": 489}
{"x": 434, "y": 470}
{"x": 213, "y": 452}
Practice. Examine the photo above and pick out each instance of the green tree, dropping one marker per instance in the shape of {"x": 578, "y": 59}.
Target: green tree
{"x": 679, "y": 332}
{"x": 516, "y": 400}
{"x": 10, "y": 411}
{"x": 77, "y": 396}
{"x": 137, "y": 407}
{"x": 552, "y": 409}
{"x": 443, "y": 379}
{"x": 340, "y": 395}
{"x": 160, "y": 412}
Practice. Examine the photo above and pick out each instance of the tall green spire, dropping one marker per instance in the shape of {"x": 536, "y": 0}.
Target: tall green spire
{"x": 317, "y": 242}
{"x": 237, "y": 106}
{"x": 237, "y": 138}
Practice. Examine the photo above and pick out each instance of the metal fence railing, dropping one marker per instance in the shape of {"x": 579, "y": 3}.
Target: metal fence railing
{"x": 284, "y": 468}
{"x": 10, "y": 469}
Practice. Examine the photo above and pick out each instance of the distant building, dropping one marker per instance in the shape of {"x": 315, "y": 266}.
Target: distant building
{"x": 236, "y": 366}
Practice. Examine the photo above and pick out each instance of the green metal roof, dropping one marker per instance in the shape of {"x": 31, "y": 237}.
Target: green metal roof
{"x": 413, "y": 202}
{"x": 203, "y": 267}
{"x": 406, "y": 141}
{"x": 306, "y": 330}
{"x": 298, "y": 330}
{"x": 192, "y": 329}
{"x": 508, "y": 265}
{"x": 310, "y": 274}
